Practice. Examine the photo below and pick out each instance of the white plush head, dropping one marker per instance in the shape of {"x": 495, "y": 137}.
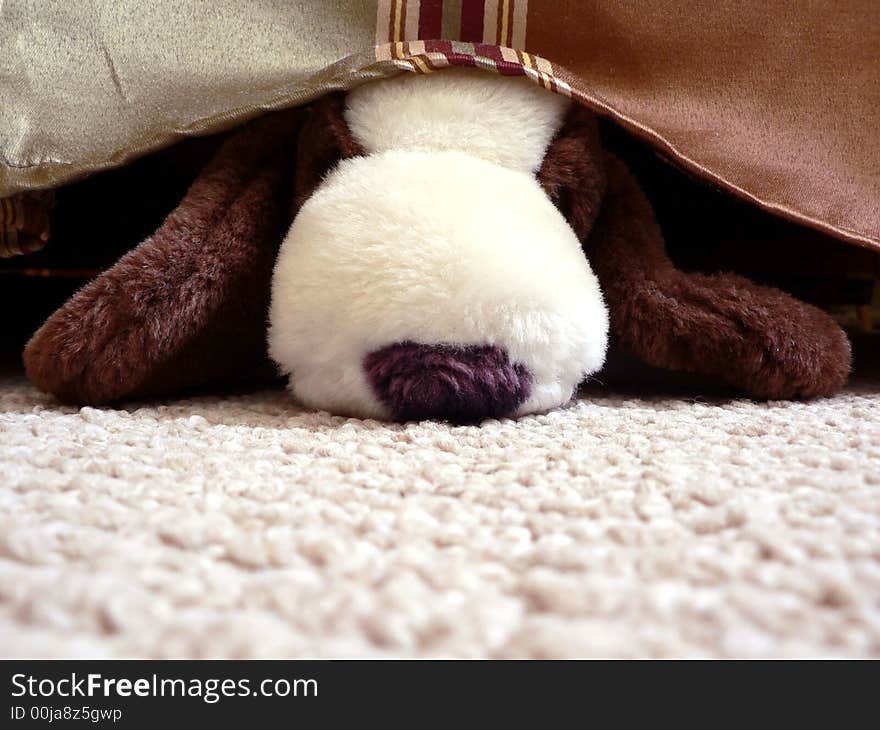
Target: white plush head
{"x": 433, "y": 277}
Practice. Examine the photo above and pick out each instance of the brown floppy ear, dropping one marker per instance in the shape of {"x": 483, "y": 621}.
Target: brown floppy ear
{"x": 759, "y": 339}
{"x": 324, "y": 140}
{"x": 756, "y": 338}
{"x": 188, "y": 306}
{"x": 572, "y": 172}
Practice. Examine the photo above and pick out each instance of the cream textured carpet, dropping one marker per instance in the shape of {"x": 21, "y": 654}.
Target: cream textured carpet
{"x": 621, "y": 526}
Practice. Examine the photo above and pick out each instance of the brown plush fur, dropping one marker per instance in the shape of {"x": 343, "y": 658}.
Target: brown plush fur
{"x": 759, "y": 339}
{"x": 572, "y": 173}
{"x": 188, "y": 306}
{"x": 324, "y": 140}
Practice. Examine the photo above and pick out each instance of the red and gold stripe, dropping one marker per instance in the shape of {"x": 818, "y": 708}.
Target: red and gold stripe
{"x": 492, "y": 22}
{"x": 426, "y": 56}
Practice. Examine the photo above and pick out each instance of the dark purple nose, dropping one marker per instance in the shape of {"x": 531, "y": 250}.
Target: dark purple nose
{"x": 455, "y": 383}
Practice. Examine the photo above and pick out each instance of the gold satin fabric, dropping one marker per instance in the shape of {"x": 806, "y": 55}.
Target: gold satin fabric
{"x": 778, "y": 103}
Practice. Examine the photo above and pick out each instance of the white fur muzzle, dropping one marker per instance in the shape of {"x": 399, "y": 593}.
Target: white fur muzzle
{"x": 434, "y": 246}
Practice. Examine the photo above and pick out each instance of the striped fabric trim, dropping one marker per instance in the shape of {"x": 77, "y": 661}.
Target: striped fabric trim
{"x": 421, "y": 36}
{"x": 426, "y": 56}
{"x": 24, "y": 223}
{"x": 490, "y": 22}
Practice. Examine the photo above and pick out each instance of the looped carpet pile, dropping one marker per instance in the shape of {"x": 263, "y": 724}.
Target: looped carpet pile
{"x": 620, "y": 526}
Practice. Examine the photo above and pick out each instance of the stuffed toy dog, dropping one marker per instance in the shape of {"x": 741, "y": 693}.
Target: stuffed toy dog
{"x": 452, "y": 246}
